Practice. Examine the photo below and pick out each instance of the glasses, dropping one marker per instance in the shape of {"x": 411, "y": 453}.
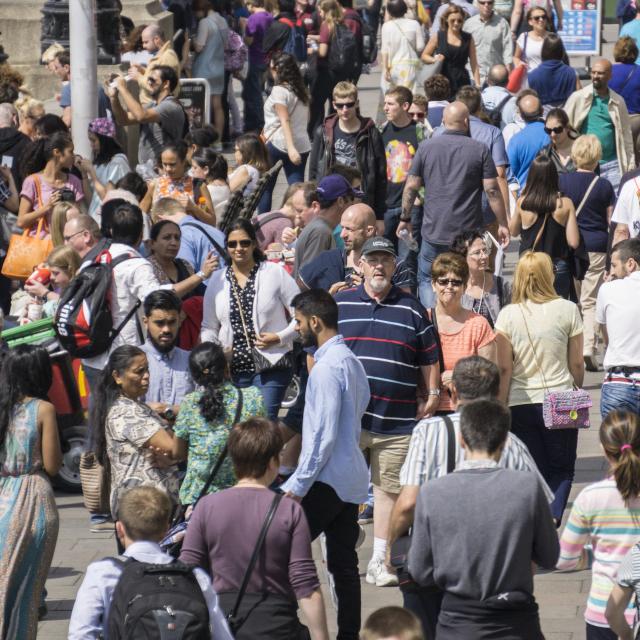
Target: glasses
{"x": 417, "y": 115}
{"x": 485, "y": 2}
{"x": 344, "y": 105}
{"x": 478, "y": 253}
{"x": 556, "y": 130}
{"x": 539, "y": 18}
{"x": 73, "y": 235}
{"x": 453, "y": 282}
{"x": 385, "y": 261}
{"x": 151, "y": 81}
{"x": 232, "y": 244}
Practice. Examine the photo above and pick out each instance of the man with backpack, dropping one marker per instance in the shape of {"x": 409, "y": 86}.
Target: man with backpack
{"x": 498, "y": 102}
{"x": 104, "y": 603}
{"x": 286, "y": 33}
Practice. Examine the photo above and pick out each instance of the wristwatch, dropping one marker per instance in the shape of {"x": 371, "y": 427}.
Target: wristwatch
{"x": 169, "y": 415}
{"x": 405, "y": 218}
{"x": 201, "y": 275}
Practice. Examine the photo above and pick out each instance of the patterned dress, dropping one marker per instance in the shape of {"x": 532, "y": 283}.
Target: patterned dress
{"x": 242, "y": 359}
{"x": 207, "y": 440}
{"x": 28, "y": 525}
{"x": 167, "y": 188}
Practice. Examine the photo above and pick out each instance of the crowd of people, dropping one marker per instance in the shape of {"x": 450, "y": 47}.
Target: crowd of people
{"x": 435, "y": 397}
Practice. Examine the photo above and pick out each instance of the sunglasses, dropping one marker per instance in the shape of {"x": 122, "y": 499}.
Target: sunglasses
{"x": 453, "y": 282}
{"x": 556, "y": 130}
{"x": 152, "y": 81}
{"x": 539, "y": 18}
{"x": 344, "y": 105}
{"x": 232, "y": 244}
{"x": 417, "y": 115}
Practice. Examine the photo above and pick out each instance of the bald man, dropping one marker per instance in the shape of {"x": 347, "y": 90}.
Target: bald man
{"x": 525, "y": 145}
{"x": 599, "y": 110}
{"x": 496, "y": 97}
{"x": 337, "y": 269}
{"x": 153, "y": 41}
{"x": 455, "y": 171}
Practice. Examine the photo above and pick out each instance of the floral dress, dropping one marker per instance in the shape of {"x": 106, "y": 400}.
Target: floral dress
{"x": 242, "y": 359}
{"x": 206, "y": 440}
{"x": 165, "y": 187}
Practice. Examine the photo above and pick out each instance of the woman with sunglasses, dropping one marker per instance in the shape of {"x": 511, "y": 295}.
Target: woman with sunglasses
{"x": 455, "y": 48}
{"x": 247, "y": 309}
{"x": 461, "y": 332}
{"x": 562, "y": 134}
{"x": 485, "y": 293}
{"x": 519, "y": 26}
{"x": 529, "y": 43}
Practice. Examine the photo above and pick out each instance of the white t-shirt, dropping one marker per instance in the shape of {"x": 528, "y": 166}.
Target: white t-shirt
{"x": 397, "y": 32}
{"x": 298, "y": 120}
{"x": 627, "y": 210}
{"x": 532, "y": 52}
{"x": 618, "y": 307}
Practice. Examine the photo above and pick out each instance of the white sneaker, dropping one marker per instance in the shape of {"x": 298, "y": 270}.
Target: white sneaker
{"x": 378, "y": 574}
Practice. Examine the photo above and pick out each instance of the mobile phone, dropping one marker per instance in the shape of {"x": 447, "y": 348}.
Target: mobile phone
{"x": 67, "y": 195}
{"x": 7, "y": 161}
{"x": 125, "y": 65}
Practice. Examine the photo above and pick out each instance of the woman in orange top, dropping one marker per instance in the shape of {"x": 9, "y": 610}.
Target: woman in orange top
{"x": 462, "y": 332}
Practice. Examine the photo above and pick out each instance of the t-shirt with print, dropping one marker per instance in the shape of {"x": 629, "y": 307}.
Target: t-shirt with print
{"x": 257, "y": 24}
{"x": 156, "y": 135}
{"x": 400, "y": 145}
{"x": 344, "y": 147}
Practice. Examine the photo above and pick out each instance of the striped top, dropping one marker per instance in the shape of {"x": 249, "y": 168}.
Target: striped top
{"x": 392, "y": 339}
{"x": 629, "y": 572}
{"x": 599, "y": 516}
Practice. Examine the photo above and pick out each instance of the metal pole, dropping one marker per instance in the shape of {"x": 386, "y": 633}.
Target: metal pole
{"x": 84, "y": 72}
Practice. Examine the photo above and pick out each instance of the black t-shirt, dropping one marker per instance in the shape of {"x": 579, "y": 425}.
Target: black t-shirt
{"x": 344, "y": 146}
{"x": 400, "y": 145}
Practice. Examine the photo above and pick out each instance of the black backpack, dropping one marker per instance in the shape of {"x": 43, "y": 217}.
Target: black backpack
{"x": 344, "y": 53}
{"x": 369, "y": 42}
{"x": 495, "y": 114}
{"x": 83, "y": 320}
{"x": 157, "y": 602}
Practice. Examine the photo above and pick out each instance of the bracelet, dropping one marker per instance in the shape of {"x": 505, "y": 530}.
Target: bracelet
{"x": 405, "y": 218}
{"x": 201, "y": 275}
{"x": 434, "y": 392}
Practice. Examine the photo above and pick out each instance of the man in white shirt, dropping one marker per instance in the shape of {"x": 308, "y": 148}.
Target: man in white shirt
{"x": 626, "y": 213}
{"x": 144, "y": 514}
{"x": 618, "y": 308}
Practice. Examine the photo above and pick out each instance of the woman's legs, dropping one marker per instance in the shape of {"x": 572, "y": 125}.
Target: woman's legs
{"x": 293, "y": 172}
{"x": 217, "y": 116}
{"x": 273, "y": 384}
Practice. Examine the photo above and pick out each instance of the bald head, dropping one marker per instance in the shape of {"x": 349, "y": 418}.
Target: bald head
{"x": 456, "y": 117}
{"x": 152, "y": 38}
{"x": 498, "y": 76}
{"x": 361, "y": 215}
{"x": 530, "y": 108}
{"x": 358, "y": 223}
{"x": 600, "y": 75}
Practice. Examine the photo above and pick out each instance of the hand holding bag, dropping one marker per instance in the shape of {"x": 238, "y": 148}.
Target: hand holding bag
{"x": 561, "y": 409}
{"x": 94, "y": 479}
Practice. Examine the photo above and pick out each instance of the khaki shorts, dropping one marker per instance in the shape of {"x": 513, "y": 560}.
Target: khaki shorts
{"x": 386, "y": 455}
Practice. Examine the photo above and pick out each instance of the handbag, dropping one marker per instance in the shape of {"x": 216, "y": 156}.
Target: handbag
{"x": 95, "y": 482}
{"x": 25, "y": 251}
{"x": 561, "y": 409}
{"x": 260, "y": 362}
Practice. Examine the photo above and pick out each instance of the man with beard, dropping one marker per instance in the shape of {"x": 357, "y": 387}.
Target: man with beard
{"x": 161, "y": 121}
{"x": 388, "y": 331}
{"x": 169, "y": 377}
{"x": 331, "y": 479}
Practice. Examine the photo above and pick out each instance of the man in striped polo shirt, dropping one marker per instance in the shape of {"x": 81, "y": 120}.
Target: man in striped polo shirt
{"x": 389, "y": 332}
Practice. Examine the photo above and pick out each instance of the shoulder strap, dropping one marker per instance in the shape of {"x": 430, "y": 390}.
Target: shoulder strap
{"x": 502, "y": 103}
{"x": 404, "y": 35}
{"x": 434, "y": 322}
{"x": 218, "y": 248}
{"x": 116, "y": 331}
{"x": 286, "y": 21}
{"x": 533, "y": 351}
{"x": 451, "y": 444}
{"x": 586, "y": 195}
{"x": 539, "y": 235}
{"x": 624, "y": 84}
{"x": 38, "y": 186}
{"x": 276, "y": 215}
{"x": 254, "y": 556}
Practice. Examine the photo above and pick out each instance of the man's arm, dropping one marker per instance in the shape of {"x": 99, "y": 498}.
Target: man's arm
{"x": 420, "y": 557}
{"x": 496, "y": 202}
{"x": 136, "y": 112}
{"x": 503, "y": 185}
{"x": 409, "y": 194}
{"x": 401, "y": 517}
{"x": 87, "y": 617}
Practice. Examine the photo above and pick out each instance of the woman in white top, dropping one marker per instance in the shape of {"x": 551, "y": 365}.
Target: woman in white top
{"x": 251, "y": 160}
{"x": 286, "y": 116}
{"x": 402, "y": 45}
{"x": 212, "y": 168}
{"x": 539, "y": 339}
{"x": 529, "y": 44}
{"x": 247, "y": 309}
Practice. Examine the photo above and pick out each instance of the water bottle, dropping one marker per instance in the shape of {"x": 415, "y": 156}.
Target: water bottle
{"x": 408, "y": 239}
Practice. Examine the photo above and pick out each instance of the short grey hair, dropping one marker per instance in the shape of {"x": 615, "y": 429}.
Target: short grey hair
{"x": 8, "y": 115}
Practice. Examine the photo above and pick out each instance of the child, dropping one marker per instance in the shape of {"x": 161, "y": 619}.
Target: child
{"x": 392, "y": 623}
{"x": 211, "y": 168}
{"x": 252, "y": 159}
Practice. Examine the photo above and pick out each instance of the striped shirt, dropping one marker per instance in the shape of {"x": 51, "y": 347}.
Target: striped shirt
{"x": 599, "y": 516}
{"x": 392, "y": 339}
{"x": 428, "y": 452}
{"x": 628, "y": 575}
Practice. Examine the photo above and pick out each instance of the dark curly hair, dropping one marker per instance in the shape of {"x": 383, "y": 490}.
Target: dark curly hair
{"x": 208, "y": 367}
{"x": 464, "y": 240}
{"x": 285, "y": 65}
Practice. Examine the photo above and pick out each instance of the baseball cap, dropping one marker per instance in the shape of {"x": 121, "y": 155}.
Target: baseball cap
{"x": 376, "y": 244}
{"x": 334, "y": 186}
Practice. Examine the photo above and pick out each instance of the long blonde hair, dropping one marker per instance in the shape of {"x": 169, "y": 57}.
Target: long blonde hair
{"x": 332, "y": 12}
{"x": 58, "y": 220}
{"x": 533, "y": 279}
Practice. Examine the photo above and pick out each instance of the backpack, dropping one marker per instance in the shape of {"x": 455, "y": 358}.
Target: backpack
{"x": 235, "y": 53}
{"x": 495, "y": 114}
{"x": 344, "y": 53}
{"x": 157, "y": 602}
{"x": 296, "y": 43}
{"x": 83, "y": 320}
{"x": 369, "y": 43}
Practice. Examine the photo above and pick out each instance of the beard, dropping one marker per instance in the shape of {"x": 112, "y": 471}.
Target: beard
{"x": 163, "y": 347}
{"x": 309, "y": 339}
{"x": 378, "y": 285}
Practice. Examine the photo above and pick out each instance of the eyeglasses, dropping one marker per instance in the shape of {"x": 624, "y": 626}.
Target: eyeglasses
{"x": 73, "y": 235}
{"x": 344, "y": 105}
{"x": 556, "y": 130}
{"x": 453, "y": 282}
{"x": 245, "y": 244}
{"x": 151, "y": 81}
{"x": 417, "y": 115}
{"x": 385, "y": 261}
{"x": 539, "y": 18}
{"x": 478, "y": 253}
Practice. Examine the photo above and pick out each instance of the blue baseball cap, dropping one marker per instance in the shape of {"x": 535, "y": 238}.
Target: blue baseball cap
{"x": 332, "y": 187}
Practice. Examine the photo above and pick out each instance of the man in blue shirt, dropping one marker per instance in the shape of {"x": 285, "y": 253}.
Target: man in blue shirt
{"x": 169, "y": 376}
{"x": 525, "y": 145}
{"x": 388, "y": 331}
{"x": 331, "y": 479}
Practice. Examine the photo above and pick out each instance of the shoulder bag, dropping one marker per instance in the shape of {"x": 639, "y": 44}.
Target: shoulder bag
{"x": 561, "y": 409}
{"x": 95, "y": 481}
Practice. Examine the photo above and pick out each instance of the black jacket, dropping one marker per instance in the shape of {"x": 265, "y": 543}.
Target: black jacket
{"x": 14, "y": 143}
{"x": 370, "y": 156}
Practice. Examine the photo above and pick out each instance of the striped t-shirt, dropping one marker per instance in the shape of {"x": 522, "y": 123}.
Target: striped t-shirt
{"x": 392, "y": 339}
{"x": 600, "y": 516}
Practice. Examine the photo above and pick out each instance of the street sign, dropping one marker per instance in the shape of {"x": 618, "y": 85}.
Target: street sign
{"x": 581, "y": 26}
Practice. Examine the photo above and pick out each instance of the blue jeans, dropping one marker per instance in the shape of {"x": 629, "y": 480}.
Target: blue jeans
{"x": 611, "y": 171}
{"x": 553, "y": 451}
{"x": 272, "y": 383}
{"x": 429, "y": 251}
{"x": 619, "y": 395}
{"x": 563, "y": 281}
{"x": 252, "y": 89}
{"x": 293, "y": 172}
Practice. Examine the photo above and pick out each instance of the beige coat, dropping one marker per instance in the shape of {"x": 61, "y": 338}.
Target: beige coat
{"x": 578, "y": 106}
{"x": 165, "y": 57}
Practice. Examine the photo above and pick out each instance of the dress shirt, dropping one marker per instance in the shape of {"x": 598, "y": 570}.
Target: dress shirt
{"x": 91, "y": 609}
{"x": 337, "y": 396}
{"x": 493, "y": 41}
{"x": 429, "y": 447}
{"x": 194, "y": 244}
{"x": 169, "y": 376}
